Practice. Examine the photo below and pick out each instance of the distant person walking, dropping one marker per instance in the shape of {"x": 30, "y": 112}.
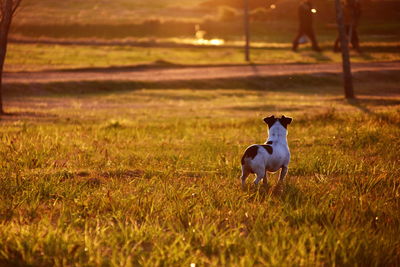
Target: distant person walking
{"x": 351, "y": 14}
{"x": 305, "y": 12}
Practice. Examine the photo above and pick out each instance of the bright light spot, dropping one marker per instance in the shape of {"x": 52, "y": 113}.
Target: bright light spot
{"x": 216, "y": 41}
{"x": 272, "y": 6}
{"x": 209, "y": 42}
{"x": 314, "y": 10}
{"x": 193, "y": 265}
{"x": 200, "y": 40}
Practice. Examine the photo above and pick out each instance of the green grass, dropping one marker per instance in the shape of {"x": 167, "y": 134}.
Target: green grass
{"x": 45, "y": 57}
{"x": 128, "y": 174}
{"x": 99, "y": 11}
{"x": 160, "y": 22}
{"x": 122, "y": 19}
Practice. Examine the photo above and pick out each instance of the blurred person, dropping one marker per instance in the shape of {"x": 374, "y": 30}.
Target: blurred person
{"x": 351, "y": 16}
{"x": 305, "y": 26}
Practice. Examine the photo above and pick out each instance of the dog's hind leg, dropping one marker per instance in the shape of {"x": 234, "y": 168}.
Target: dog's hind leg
{"x": 260, "y": 173}
{"x": 265, "y": 180}
{"x": 245, "y": 174}
{"x": 284, "y": 171}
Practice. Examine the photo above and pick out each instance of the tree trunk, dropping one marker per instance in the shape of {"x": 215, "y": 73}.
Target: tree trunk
{"x": 344, "y": 44}
{"x": 246, "y": 30}
{"x": 4, "y": 29}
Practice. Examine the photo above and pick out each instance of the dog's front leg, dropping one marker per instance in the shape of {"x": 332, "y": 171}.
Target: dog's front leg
{"x": 284, "y": 171}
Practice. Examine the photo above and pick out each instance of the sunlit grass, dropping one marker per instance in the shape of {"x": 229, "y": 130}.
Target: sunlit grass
{"x": 44, "y": 57}
{"x": 138, "y": 176}
{"x": 93, "y": 11}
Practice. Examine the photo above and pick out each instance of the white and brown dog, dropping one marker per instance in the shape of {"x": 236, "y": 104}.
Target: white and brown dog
{"x": 271, "y": 156}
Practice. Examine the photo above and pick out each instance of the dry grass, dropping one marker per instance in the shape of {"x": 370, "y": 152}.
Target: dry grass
{"x": 50, "y": 57}
{"x": 126, "y": 176}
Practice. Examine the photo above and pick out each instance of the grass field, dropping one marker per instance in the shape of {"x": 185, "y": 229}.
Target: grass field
{"x": 98, "y": 11}
{"x": 119, "y": 173}
{"x": 128, "y": 174}
{"x": 100, "y": 19}
{"x": 47, "y": 57}
{"x": 158, "y": 24}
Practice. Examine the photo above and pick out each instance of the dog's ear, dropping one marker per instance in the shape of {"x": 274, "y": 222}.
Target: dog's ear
{"x": 270, "y": 120}
{"x": 285, "y": 121}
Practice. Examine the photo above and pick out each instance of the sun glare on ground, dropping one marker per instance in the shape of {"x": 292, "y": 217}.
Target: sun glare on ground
{"x": 201, "y": 40}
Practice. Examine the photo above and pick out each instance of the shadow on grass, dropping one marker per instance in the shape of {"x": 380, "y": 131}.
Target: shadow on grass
{"x": 366, "y": 83}
{"x": 265, "y": 108}
{"x": 381, "y": 49}
{"x": 160, "y": 64}
{"x": 290, "y": 194}
{"x": 26, "y": 113}
{"x": 15, "y": 259}
{"x": 362, "y": 104}
{"x": 33, "y": 116}
{"x": 305, "y": 84}
{"x": 285, "y": 192}
{"x": 182, "y": 96}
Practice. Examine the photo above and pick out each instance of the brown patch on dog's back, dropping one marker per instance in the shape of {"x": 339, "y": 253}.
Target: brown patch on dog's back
{"x": 250, "y": 152}
{"x": 268, "y": 148}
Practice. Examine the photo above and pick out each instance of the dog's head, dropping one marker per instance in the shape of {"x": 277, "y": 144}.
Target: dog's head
{"x": 284, "y": 121}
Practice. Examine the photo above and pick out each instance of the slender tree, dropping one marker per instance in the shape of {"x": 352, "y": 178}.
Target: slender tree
{"x": 7, "y": 11}
{"x": 344, "y": 44}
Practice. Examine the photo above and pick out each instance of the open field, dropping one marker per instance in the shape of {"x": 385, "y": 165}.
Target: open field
{"x": 116, "y": 12}
{"x": 51, "y": 56}
{"x": 110, "y": 156}
{"x": 270, "y": 32}
{"x": 100, "y": 19}
{"x": 98, "y": 11}
{"x": 130, "y": 33}
{"x": 125, "y": 173}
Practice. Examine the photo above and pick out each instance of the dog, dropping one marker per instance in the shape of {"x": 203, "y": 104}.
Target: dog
{"x": 273, "y": 155}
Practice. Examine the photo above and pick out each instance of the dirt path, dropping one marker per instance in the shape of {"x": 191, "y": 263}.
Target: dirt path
{"x": 188, "y": 73}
